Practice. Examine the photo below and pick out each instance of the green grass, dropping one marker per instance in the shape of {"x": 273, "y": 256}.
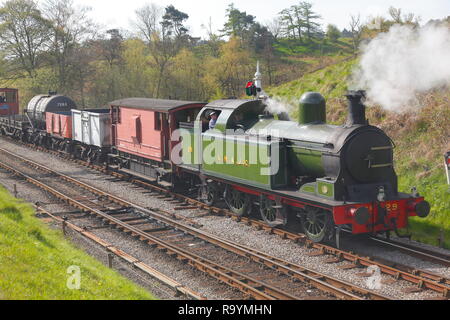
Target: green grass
{"x": 420, "y": 138}
{"x": 34, "y": 260}
{"x": 292, "y": 47}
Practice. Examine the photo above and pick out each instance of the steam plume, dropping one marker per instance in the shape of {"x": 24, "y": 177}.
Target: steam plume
{"x": 397, "y": 65}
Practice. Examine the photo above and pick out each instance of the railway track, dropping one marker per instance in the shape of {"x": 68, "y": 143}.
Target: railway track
{"x": 420, "y": 252}
{"x": 258, "y": 275}
{"x": 180, "y": 290}
{"x": 421, "y": 279}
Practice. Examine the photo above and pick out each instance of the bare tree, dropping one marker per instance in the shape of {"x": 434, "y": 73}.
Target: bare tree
{"x": 148, "y": 21}
{"x": 408, "y": 18}
{"x": 161, "y": 47}
{"x": 70, "y": 27}
{"x": 275, "y": 27}
{"x": 356, "y": 30}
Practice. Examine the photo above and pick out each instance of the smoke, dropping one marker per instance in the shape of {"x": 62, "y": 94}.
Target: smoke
{"x": 276, "y": 106}
{"x": 398, "y": 65}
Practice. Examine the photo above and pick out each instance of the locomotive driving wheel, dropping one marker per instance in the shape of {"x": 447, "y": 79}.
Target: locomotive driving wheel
{"x": 237, "y": 201}
{"x": 317, "y": 224}
{"x": 272, "y": 211}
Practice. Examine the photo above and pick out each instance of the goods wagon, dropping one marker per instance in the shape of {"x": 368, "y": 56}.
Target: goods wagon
{"x": 52, "y": 102}
{"x": 59, "y": 124}
{"x": 142, "y": 130}
{"x": 92, "y": 133}
{"x": 9, "y": 101}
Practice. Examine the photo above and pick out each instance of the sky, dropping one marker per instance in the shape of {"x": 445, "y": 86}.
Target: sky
{"x": 119, "y": 13}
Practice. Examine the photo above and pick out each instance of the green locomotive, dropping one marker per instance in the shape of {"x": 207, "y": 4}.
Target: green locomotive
{"x": 328, "y": 176}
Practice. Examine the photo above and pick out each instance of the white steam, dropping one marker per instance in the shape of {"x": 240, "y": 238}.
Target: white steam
{"x": 397, "y": 65}
{"x": 276, "y": 106}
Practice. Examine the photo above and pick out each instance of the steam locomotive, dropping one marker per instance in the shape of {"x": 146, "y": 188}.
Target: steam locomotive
{"x": 326, "y": 176}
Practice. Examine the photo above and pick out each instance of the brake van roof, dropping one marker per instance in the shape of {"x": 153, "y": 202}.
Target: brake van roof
{"x": 159, "y": 105}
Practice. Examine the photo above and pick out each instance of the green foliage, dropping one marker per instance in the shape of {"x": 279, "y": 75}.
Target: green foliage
{"x": 34, "y": 261}
{"x": 239, "y": 23}
{"x": 333, "y": 33}
{"x": 173, "y": 20}
{"x": 229, "y": 72}
{"x": 23, "y": 33}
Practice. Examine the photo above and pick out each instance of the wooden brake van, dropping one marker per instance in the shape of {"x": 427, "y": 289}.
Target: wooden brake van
{"x": 141, "y": 134}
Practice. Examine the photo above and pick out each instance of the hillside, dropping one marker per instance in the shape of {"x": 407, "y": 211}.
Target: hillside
{"x": 34, "y": 260}
{"x": 421, "y": 139}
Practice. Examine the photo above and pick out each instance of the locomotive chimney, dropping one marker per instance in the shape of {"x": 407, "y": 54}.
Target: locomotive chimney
{"x": 356, "y": 108}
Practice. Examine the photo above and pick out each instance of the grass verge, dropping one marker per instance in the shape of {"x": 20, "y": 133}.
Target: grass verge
{"x": 34, "y": 262}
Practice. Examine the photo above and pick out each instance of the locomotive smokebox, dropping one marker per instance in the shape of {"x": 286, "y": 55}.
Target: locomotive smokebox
{"x": 356, "y": 108}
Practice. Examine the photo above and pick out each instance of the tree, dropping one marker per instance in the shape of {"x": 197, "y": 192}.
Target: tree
{"x": 148, "y": 21}
{"x": 140, "y": 74}
{"x": 288, "y": 24}
{"x": 186, "y": 77}
{"x": 238, "y": 24}
{"x": 213, "y": 42}
{"x": 70, "y": 26}
{"x": 275, "y": 27}
{"x": 163, "y": 48}
{"x": 333, "y": 33}
{"x": 172, "y": 23}
{"x": 356, "y": 30}
{"x": 299, "y": 20}
{"x": 309, "y": 18}
{"x": 397, "y": 17}
{"x": 226, "y": 76}
{"x": 23, "y": 34}
{"x": 110, "y": 50}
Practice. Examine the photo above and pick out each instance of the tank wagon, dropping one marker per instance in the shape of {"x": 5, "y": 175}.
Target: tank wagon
{"x": 52, "y": 102}
{"x": 31, "y": 126}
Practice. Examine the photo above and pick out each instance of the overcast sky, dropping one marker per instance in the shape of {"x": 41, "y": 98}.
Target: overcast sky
{"x": 118, "y": 14}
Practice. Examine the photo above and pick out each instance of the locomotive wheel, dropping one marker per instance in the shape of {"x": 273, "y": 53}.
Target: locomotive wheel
{"x": 317, "y": 224}
{"x": 273, "y": 213}
{"x": 237, "y": 201}
{"x": 208, "y": 193}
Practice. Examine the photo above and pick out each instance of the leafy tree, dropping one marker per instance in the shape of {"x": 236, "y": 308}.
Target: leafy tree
{"x": 186, "y": 77}
{"x": 333, "y": 33}
{"x": 110, "y": 49}
{"x": 300, "y": 19}
{"x": 288, "y": 24}
{"x": 172, "y": 23}
{"x": 226, "y": 76}
{"x": 309, "y": 19}
{"x": 239, "y": 23}
{"x": 23, "y": 34}
{"x": 139, "y": 70}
